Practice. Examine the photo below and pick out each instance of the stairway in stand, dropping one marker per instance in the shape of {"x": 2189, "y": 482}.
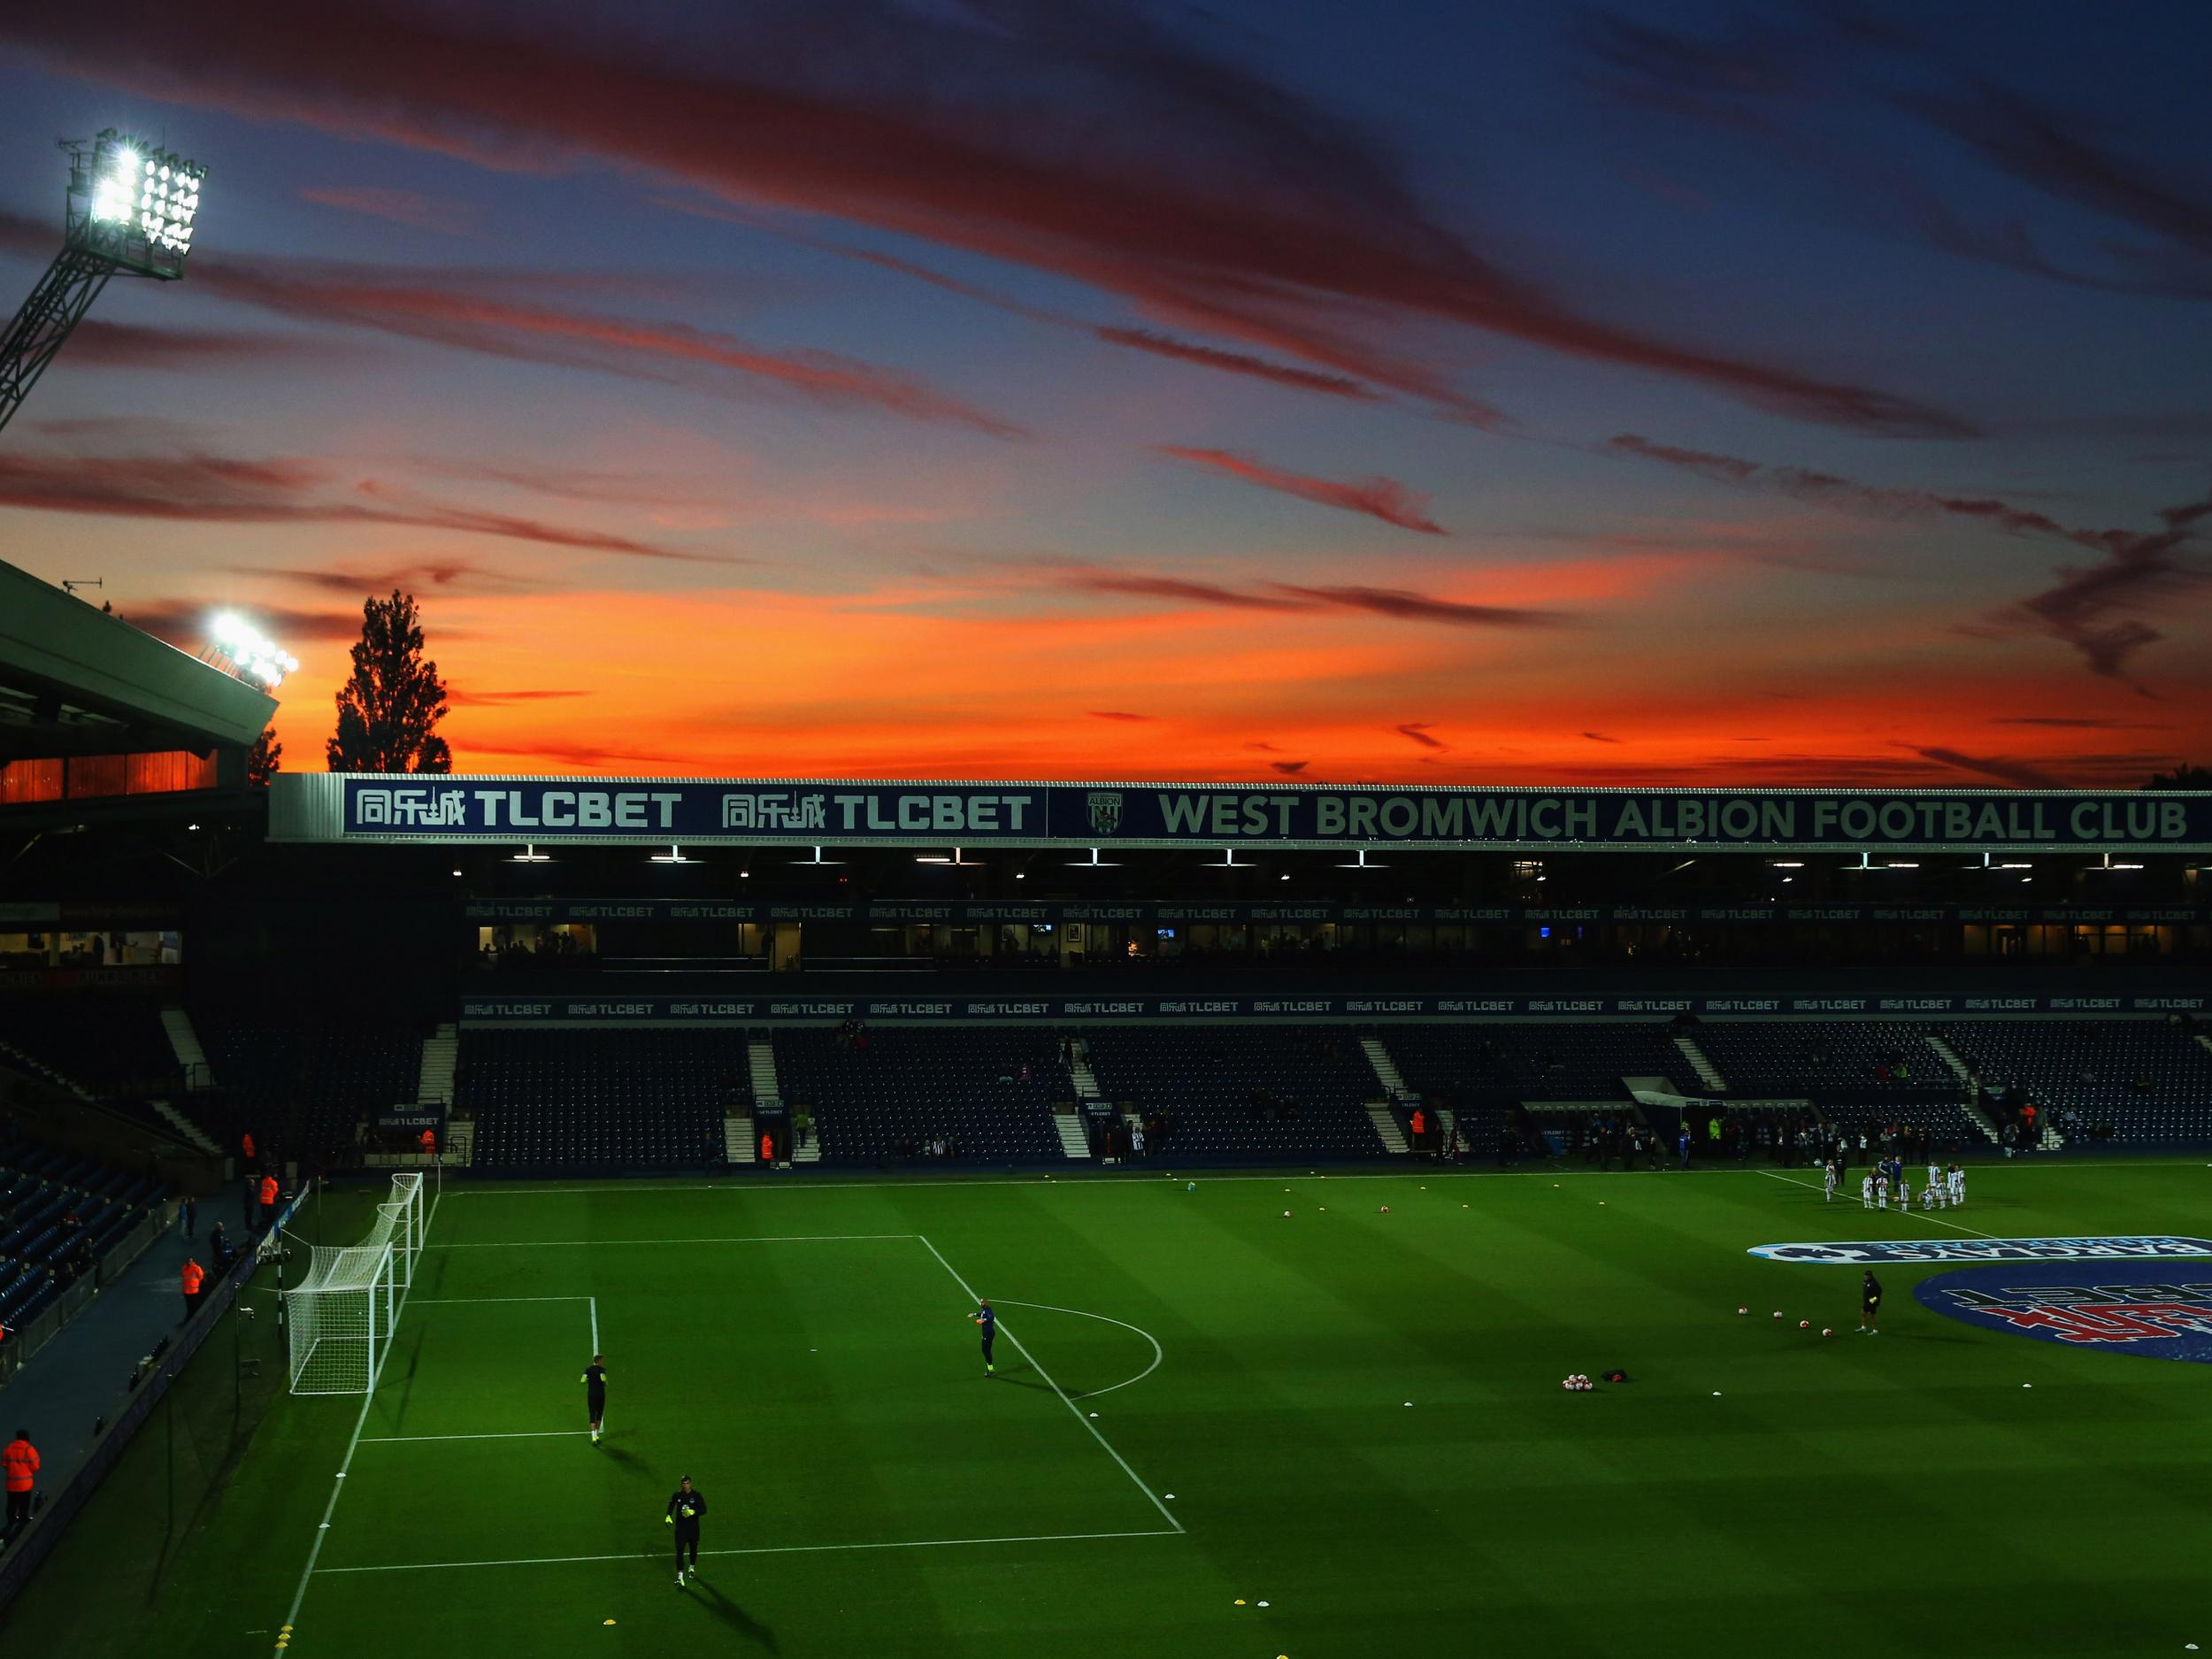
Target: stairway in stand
{"x": 740, "y": 1144}
{"x": 1075, "y": 1139}
{"x": 1387, "y": 1128}
{"x": 1707, "y": 1073}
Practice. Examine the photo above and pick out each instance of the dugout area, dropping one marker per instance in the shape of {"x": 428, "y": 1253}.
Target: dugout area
{"x": 811, "y": 1367}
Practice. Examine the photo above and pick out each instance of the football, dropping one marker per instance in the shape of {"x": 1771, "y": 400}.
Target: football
{"x": 1804, "y": 1324}
{"x": 1743, "y": 1310}
{"x": 1827, "y": 1332}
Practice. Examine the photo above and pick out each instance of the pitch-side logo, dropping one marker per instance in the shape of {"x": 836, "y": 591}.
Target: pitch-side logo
{"x": 2081, "y": 1304}
{"x": 1875, "y": 1251}
{"x": 1105, "y": 806}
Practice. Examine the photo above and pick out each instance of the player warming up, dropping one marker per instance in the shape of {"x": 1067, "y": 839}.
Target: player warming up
{"x": 685, "y": 1507}
{"x": 595, "y": 1380}
{"x": 986, "y": 1322}
{"x": 1871, "y": 1304}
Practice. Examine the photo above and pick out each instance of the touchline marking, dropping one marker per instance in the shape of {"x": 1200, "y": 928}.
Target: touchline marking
{"x": 546, "y": 1244}
{"x": 517, "y": 1434}
{"x": 1093, "y": 1394}
{"x": 1073, "y": 1410}
{"x": 1938, "y": 1220}
{"x": 594, "y": 1325}
{"x": 768, "y": 1549}
{"x": 353, "y": 1444}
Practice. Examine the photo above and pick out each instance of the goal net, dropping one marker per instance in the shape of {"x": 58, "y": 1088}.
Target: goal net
{"x": 338, "y": 1318}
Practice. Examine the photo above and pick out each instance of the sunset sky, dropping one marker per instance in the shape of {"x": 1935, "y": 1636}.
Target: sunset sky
{"x": 1461, "y": 393}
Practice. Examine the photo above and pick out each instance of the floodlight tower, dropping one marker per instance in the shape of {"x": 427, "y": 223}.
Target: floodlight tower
{"x": 130, "y": 210}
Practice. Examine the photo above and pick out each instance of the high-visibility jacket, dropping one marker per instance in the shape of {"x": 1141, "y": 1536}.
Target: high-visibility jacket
{"x": 21, "y": 1460}
{"x": 429, "y": 1140}
{"x": 245, "y": 1145}
{"x": 268, "y": 1189}
{"x": 193, "y": 1274}
{"x": 1420, "y": 1123}
{"x": 768, "y": 1148}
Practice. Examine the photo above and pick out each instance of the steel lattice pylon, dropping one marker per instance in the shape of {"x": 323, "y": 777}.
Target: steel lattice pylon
{"x": 55, "y": 306}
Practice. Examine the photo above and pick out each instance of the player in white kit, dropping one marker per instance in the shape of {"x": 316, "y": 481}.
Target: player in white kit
{"x": 1881, "y": 1192}
{"x": 1866, "y": 1190}
{"x": 1828, "y": 1181}
{"x": 1958, "y": 1185}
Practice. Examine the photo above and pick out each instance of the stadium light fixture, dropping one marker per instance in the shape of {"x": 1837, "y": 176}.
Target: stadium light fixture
{"x": 2108, "y": 865}
{"x": 673, "y": 856}
{"x": 244, "y": 653}
{"x": 1362, "y": 864}
{"x": 939, "y": 858}
{"x": 817, "y": 859}
{"x": 1228, "y": 861}
{"x": 530, "y": 855}
{"x": 1095, "y": 862}
{"x": 131, "y": 210}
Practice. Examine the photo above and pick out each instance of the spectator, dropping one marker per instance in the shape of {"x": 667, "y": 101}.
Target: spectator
{"x": 20, "y": 1459}
{"x": 186, "y": 1213}
{"x": 194, "y": 1276}
{"x": 801, "y": 1124}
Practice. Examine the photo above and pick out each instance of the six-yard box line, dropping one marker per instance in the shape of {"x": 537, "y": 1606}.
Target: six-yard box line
{"x": 1174, "y": 1527}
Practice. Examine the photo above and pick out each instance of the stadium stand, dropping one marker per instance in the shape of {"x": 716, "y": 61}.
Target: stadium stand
{"x": 300, "y": 1086}
{"x": 1235, "y": 1091}
{"x": 1863, "y": 1059}
{"x": 2134, "y": 1080}
{"x": 60, "y": 1213}
{"x": 882, "y": 1094}
{"x": 111, "y": 1047}
{"x": 594, "y": 1099}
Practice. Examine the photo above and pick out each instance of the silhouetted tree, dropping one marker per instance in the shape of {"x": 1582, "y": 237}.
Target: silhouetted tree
{"x": 2181, "y": 777}
{"x": 264, "y": 759}
{"x": 389, "y": 710}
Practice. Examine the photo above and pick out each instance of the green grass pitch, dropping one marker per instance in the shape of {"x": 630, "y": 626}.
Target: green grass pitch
{"x": 1357, "y": 1415}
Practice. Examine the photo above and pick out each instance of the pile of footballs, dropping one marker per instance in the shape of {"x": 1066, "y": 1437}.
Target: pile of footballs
{"x": 1577, "y": 1384}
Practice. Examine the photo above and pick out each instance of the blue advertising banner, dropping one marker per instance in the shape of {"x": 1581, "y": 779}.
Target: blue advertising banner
{"x": 797, "y": 1008}
{"x": 355, "y": 807}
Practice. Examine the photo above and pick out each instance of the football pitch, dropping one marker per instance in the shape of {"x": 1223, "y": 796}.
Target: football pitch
{"x": 1216, "y": 1429}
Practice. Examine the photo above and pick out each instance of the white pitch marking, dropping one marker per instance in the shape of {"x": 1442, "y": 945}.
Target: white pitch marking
{"x": 772, "y": 1549}
{"x": 1073, "y": 1410}
{"x": 1046, "y": 1307}
{"x": 594, "y": 1323}
{"x": 512, "y": 1434}
{"x": 1938, "y": 1220}
{"x": 789, "y": 1238}
{"x": 292, "y": 1615}
{"x": 456, "y": 1302}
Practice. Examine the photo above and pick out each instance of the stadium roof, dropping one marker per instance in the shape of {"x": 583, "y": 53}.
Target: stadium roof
{"x": 74, "y": 681}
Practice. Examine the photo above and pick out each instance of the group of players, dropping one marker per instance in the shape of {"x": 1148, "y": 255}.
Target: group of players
{"x": 1946, "y": 1185}
{"x": 687, "y": 1504}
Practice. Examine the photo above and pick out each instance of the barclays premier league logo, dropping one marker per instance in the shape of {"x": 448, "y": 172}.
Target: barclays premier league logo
{"x": 2083, "y": 1304}
{"x": 1105, "y": 810}
{"x": 1881, "y": 1252}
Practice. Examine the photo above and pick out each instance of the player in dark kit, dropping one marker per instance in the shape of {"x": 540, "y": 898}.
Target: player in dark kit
{"x": 987, "y": 1321}
{"x": 595, "y": 1393}
{"x": 1871, "y": 1304}
{"x": 684, "y": 1509}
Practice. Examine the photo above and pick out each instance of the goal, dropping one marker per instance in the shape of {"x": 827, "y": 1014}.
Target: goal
{"x": 339, "y": 1318}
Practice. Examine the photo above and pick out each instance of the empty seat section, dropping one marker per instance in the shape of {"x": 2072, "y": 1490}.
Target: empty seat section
{"x": 892, "y": 1092}
{"x": 2144, "y": 1079}
{"x": 301, "y": 1086}
{"x": 608, "y": 1100}
{"x": 1243, "y": 1092}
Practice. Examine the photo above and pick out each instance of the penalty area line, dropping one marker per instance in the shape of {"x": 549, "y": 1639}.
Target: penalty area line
{"x": 764, "y": 1550}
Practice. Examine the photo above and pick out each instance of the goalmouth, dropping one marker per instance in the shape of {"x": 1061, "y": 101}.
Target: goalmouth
{"x": 339, "y": 1318}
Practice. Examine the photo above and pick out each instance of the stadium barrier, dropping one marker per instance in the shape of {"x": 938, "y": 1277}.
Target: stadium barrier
{"x": 54, "y": 1516}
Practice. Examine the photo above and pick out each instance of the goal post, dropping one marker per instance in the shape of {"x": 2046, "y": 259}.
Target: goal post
{"x": 339, "y": 1318}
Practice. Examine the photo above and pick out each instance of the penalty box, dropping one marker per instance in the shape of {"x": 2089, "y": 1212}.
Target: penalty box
{"x": 825, "y": 1392}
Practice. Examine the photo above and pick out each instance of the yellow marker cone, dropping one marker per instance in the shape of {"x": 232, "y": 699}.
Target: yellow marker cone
{"x": 1239, "y": 1600}
{"x": 607, "y": 1621}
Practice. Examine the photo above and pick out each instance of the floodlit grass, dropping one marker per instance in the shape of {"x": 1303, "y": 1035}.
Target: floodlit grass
{"x": 802, "y": 1351}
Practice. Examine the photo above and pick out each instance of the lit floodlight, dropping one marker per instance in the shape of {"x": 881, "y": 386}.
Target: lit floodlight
{"x": 130, "y": 211}
{"x": 141, "y": 202}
